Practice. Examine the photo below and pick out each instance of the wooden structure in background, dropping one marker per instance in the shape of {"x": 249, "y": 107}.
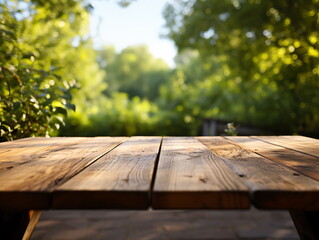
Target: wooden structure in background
{"x": 215, "y": 127}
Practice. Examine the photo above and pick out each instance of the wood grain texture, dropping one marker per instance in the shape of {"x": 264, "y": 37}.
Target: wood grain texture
{"x": 29, "y": 184}
{"x": 190, "y": 176}
{"x": 302, "y": 163}
{"x": 301, "y": 144}
{"x": 272, "y": 185}
{"x": 120, "y": 179}
{"x": 19, "y": 152}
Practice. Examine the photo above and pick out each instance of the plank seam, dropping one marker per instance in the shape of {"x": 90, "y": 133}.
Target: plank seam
{"x": 63, "y": 180}
{"x": 154, "y": 173}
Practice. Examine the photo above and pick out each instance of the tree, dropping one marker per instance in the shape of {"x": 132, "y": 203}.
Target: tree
{"x": 41, "y": 45}
{"x": 134, "y": 71}
{"x": 268, "y": 49}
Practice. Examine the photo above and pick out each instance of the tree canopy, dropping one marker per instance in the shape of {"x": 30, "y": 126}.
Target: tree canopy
{"x": 45, "y": 53}
{"x": 134, "y": 71}
{"x": 268, "y": 49}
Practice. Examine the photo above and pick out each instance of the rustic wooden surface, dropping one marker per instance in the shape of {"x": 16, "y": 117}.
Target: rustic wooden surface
{"x": 302, "y": 144}
{"x": 21, "y": 151}
{"x": 191, "y": 176}
{"x": 28, "y": 185}
{"x": 302, "y": 163}
{"x": 120, "y": 179}
{"x": 272, "y": 185}
{"x": 275, "y": 172}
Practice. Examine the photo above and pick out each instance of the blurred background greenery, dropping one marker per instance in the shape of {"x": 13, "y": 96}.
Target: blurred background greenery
{"x": 253, "y": 62}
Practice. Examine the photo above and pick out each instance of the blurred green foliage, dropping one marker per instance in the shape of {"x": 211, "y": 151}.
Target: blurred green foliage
{"x": 32, "y": 100}
{"x": 267, "y": 55}
{"x": 142, "y": 97}
{"x": 134, "y": 71}
{"x": 243, "y": 61}
{"x": 45, "y": 56}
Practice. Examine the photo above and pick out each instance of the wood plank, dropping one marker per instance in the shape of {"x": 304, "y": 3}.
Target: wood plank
{"x": 27, "y": 139}
{"x": 29, "y": 185}
{"x": 272, "y": 185}
{"x": 20, "y": 143}
{"x": 190, "y": 176}
{"x": 302, "y": 163}
{"x": 120, "y": 179}
{"x": 19, "y": 152}
{"x": 301, "y": 139}
{"x": 298, "y": 143}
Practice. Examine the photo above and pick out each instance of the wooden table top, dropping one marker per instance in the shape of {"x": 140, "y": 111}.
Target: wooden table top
{"x": 269, "y": 172}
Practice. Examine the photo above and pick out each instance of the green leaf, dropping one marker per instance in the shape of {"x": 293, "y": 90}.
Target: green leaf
{"x": 60, "y": 110}
{"x": 71, "y": 106}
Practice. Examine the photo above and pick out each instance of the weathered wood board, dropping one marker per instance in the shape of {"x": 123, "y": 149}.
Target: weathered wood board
{"x": 271, "y": 185}
{"x": 300, "y": 162}
{"x": 29, "y": 184}
{"x": 190, "y": 176}
{"x": 120, "y": 179}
